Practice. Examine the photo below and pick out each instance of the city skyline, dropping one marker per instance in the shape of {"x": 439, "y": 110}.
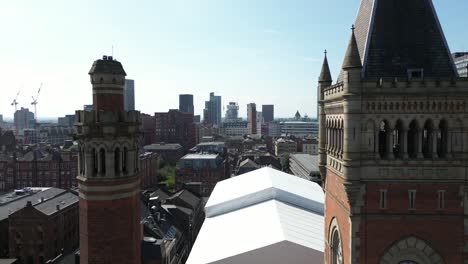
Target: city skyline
{"x": 175, "y": 48}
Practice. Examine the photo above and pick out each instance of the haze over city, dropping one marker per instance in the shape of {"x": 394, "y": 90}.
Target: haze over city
{"x": 246, "y": 51}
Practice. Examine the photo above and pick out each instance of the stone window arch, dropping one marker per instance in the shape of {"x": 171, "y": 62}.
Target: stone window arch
{"x": 411, "y": 250}
{"x": 335, "y": 245}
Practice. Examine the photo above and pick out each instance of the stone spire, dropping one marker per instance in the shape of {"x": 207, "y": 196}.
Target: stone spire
{"x": 325, "y": 75}
{"x": 352, "y": 59}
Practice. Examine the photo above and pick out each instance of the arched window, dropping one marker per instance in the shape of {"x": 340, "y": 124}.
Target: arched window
{"x": 427, "y": 137}
{"x": 408, "y": 262}
{"x": 124, "y": 159}
{"x": 398, "y": 139}
{"x": 102, "y": 156}
{"x": 117, "y": 165}
{"x": 442, "y": 139}
{"x": 413, "y": 140}
{"x": 95, "y": 161}
{"x": 383, "y": 140}
{"x": 336, "y": 249}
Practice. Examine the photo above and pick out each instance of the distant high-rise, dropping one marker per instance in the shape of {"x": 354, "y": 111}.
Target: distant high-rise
{"x": 268, "y": 113}
{"x": 212, "y": 111}
{"x": 461, "y": 62}
{"x": 252, "y": 118}
{"x": 232, "y": 111}
{"x": 23, "y": 119}
{"x": 186, "y": 103}
{"x": 129, "y": 95}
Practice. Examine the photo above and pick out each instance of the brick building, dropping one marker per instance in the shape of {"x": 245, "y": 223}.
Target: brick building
{"x": 170, "y": 153}
{"x": 175, "y": 127}
{"x": 206, "y": 169}
{"x": 38, "y": 224}
{"x": 148, "y": 169}
{"x": 38, "y": 167}
{"x": 109, "y": 171}
{"x": 392, "y": 144}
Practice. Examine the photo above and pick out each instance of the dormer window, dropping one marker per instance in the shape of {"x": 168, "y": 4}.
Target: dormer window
{"x": 417, "y": 74}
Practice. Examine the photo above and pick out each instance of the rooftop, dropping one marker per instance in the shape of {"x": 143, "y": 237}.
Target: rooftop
{"x": 199, "y": 156}
{"x": 281, "y": 216}
{"x": 309, "y": 162}
{"x": 162, "y": 146}
{"x": 11, "y": 202}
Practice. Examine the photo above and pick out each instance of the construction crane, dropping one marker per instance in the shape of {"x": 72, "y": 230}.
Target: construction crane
{"x": 34, "y": 102}
{"x": 15, "y": 103}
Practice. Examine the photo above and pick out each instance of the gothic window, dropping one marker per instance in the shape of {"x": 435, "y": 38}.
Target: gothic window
{"x": 95, "y": 161}
{"x": 117, "y": 161}
{"x": 442, "y": 141}
{"x": 427, "y": 138}
{"x": 383, "y": 140}
{"x": 413, "y": 139}
{"x": 412, "y": 199}
{"x": 102, "y": 157}
{"x": 441, "y": 199}
{"x": 336, "y": 249}
{"x": 101, "y": 80}
{"x": 124, "y": 159}
{"x": 398, "y": 139}
{"x": 408, "y": 262}
{"x": 383, "y": 199}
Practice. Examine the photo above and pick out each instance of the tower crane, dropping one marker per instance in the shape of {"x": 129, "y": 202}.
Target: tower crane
{"x": 15, "y": 103}
{"x": 34, "y": 102}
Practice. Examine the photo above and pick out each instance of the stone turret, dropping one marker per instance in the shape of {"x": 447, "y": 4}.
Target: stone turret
{"x": 325, "y": 80}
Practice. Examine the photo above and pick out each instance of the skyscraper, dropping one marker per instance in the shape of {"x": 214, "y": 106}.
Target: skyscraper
{"x": 109, "y": 181}
{"x": 186, "y": 103}
{"x": 232, "y": 111}
{"x": 212, "y": 111}
{"x": 392, "y": 144}
{"x": 268, "y": 113}
{"x": 252, "y": 118}
{"x": 129, "y": 95}
{"x": 23, "y": 119}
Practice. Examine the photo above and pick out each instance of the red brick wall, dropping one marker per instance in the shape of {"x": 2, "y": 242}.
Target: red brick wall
{"x": 110, "y": 230}
{"x": 336, "y": 206}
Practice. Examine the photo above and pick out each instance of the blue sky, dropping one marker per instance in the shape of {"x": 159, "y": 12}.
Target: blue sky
{"x": 262, "y": 51}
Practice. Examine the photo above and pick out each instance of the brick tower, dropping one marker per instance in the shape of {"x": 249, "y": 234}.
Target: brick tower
{"x": 393, "y": 142}
{"x": 108, "y": 178}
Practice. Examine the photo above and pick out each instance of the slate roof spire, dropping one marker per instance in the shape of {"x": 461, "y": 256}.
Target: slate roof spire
{"x": 352, "y": 59}
{"x": 396, "y": 36}
{"x": 325, "y": 75}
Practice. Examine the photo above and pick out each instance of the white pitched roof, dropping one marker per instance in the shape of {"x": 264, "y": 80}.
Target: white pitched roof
{"x": 262, "y": 185}
{"x": 264, "y": 216}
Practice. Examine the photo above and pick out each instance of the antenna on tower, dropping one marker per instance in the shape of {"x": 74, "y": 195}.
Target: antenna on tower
{"x": 112, "y": 51}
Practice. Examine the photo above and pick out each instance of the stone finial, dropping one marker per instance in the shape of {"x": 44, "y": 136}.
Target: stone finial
{"x": 352, "y": 59}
